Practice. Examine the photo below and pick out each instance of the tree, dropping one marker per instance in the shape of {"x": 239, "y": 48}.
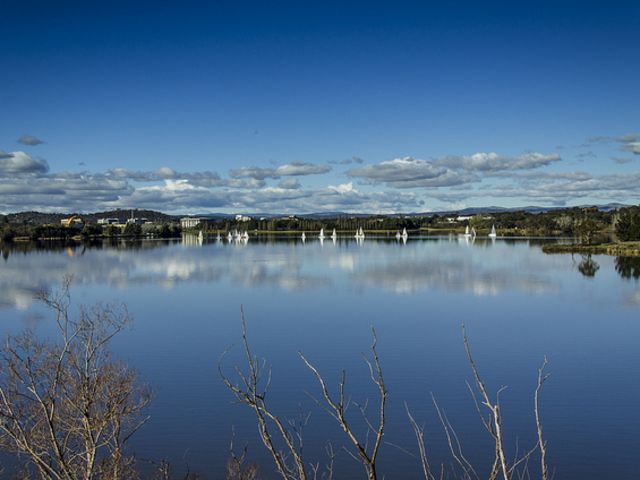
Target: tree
{"x": 628, "y": 225}
{"x": 8, "y": 234}
{"x": 132, "y": 230}
{"x": 586, "y": 229}
{"x": 66, "y": 407}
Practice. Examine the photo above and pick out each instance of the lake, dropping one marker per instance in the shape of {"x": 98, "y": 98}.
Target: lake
{"x": 518, "y": 305}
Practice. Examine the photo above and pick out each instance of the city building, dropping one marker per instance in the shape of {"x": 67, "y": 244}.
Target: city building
{"x": 108, "y": 221}
{"x": 191, "y": 222}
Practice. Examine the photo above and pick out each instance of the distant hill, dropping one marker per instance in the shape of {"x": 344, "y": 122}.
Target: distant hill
{"x": 41, "y": 218}
{"x": 530, "y": 209}
{"x": 465, "y": 211}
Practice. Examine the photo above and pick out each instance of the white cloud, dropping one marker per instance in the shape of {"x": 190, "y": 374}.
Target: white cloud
{"x": 492, "y": 162}
{"x": 291, "y": 170}
{"x": 301, "y": 168}
{"x": 342, "y": 188}
{"x": 409, "y": 172}
{"x": 290, "y": 183}
{"x": 20, "y": 163}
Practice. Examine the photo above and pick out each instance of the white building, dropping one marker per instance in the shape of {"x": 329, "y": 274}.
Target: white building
{"x": 137, "y": 221}
{"x": 191, "y": 222}
{"x": 108, "y": 221}
{"x": 242, "y": 218}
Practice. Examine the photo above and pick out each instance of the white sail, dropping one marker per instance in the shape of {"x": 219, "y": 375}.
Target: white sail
{"x": 303, "y": 236}
{"x": 404, "y": 233}
{"x": 493, "y": 233}
{"x": 466, "y": 231}
{"x": 334, "y": 235}
{"x": 398, "y": 236}
{"x": 321, "y": 236}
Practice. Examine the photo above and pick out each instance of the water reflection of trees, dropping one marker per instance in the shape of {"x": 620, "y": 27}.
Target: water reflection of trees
{"x": 588, "y": 266}
{"x": 628, "y": 267}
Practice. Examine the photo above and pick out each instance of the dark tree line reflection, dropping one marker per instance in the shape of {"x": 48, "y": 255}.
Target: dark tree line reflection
{"x": 628, "y": 267}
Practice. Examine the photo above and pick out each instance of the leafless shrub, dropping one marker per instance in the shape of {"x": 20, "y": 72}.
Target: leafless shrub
{"x": 337, "y": 408}
{"x": 251, "y": 390}
{"x": 67, "y": 407}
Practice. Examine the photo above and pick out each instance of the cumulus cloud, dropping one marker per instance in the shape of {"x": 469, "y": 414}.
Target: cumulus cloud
{"x": 30, "y": 140}
{"x": 556, "y": 189}
{"x": 409, "y": 172}
{"x": 492, "y": 162}
{"x": 253, "y": 172}
{"x": 630, "y": 143}
{"x": 293, "y": 169}
{"x": 449, "y": 171}
{"x": 20, "y": 163}
{"x": 289, "y": 183}
{"x": 205, "y": 178}
{"x": 301, "y": 168}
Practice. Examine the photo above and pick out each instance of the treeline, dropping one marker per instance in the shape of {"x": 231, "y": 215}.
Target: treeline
{"x": 300, "y": 224}
{"x": 589, "y": 224}
{"x": 10, "y": 231}
{"x": 579, "y": 222}
{"x": 628, "y": 224}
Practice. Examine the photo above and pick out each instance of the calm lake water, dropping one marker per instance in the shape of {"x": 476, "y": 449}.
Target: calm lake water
{"x": 518, "y": 305}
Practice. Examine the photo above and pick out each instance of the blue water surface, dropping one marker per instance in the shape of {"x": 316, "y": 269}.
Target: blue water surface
{"x": 518, "y": 304}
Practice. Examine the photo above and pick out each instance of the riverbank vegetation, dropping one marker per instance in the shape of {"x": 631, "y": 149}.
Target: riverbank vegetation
{"x": 626, "y": 236}
{"x": 589, "y": 225}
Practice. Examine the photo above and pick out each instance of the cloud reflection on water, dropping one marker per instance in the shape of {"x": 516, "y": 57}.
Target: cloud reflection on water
{"x": 481, "y": 270}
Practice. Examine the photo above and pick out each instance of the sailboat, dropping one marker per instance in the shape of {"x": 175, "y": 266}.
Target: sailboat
{"x": 244, "y": 235}
{"x": 321, "y": 236}
{"x": 229, "y": 237}
{"x": 200, "y": 237}
{"x": 398, "y": 235}
{"x": 466, "y": 232}
{"x": 473, "y": 232}
{"x": 405, "y": 235}
{"x": 360, "y": 234}
{"x": 303, "y": 236}
{"x": 493, "y": 233}
{"x": 218, "y": 238}
{"x": 334, "y": 235}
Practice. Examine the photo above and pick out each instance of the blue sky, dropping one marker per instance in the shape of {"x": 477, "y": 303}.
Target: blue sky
{"x": 316, "y": 106}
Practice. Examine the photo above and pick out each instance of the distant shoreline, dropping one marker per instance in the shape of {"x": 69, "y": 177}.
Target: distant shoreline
{"x": 625, "y": 249}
